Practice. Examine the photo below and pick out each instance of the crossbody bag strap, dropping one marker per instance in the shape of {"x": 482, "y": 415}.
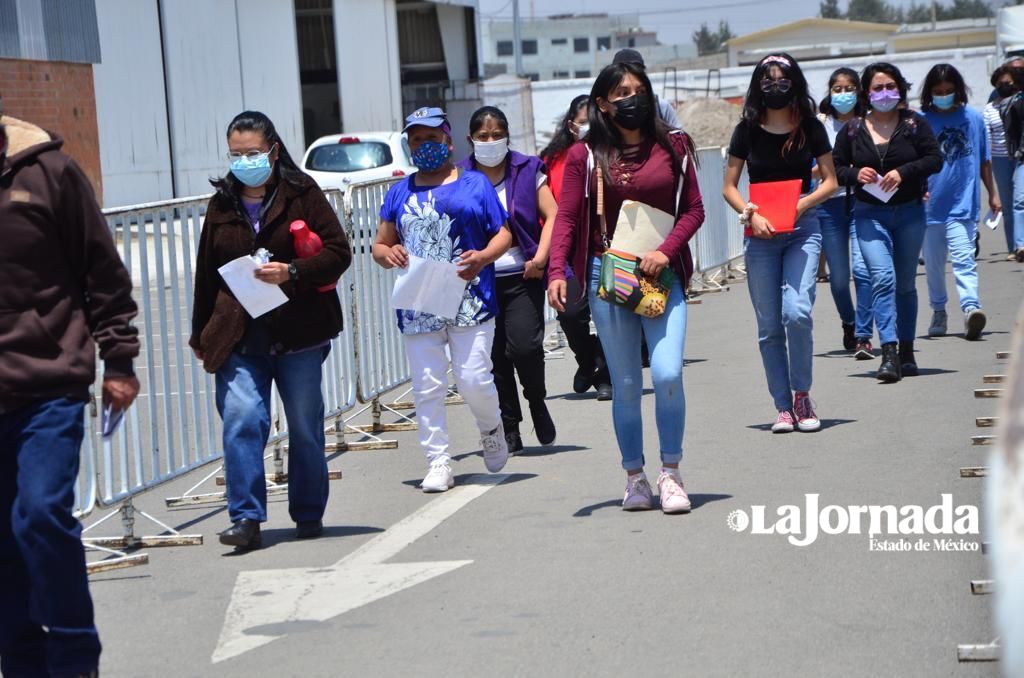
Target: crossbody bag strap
{"x": 600, "y": 205}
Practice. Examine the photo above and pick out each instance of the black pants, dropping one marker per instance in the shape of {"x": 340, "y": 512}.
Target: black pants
{"x": 575, "y": 322}
{"x": 518, "y": 345}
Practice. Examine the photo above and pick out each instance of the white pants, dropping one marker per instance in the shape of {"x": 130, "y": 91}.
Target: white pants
{"x": 470, "y": 350}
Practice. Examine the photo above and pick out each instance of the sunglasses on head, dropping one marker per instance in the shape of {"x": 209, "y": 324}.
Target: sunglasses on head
{"x": 782, "y": 84}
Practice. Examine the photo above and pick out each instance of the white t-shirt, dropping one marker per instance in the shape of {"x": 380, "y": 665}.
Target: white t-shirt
{"x": 832, "y": 127}
{"x": 996, "y": 133}
{"x": 513, "y": 261}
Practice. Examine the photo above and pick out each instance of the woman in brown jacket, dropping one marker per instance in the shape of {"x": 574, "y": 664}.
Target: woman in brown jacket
{"x": 255, "y": 204}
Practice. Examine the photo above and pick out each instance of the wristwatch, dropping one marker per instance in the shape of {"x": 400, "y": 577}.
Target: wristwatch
{"x": 293, "y": 271}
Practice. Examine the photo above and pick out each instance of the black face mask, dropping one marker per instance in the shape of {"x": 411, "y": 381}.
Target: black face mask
{"x": 775, "y": 99}
{"x": 632, "y": 112}
{"x": 1005, "y": 90}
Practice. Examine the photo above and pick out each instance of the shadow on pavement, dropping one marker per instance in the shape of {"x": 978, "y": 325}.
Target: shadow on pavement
{"x": 825, "y": 424}
{"x": 279, "y": 535}
{"x": 921, "y": 372}
{"x": 462, "y": 478}
{"x": 541, "y": 451}
{"x": 697, "y": 500}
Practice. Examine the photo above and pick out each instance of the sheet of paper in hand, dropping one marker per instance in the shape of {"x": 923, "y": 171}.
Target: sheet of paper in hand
{"x": 255, "y": 296}
{"x": 429, "y": 286}
{"x": 641, "y": 228}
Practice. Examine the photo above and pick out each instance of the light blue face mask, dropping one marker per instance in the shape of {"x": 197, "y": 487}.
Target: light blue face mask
{"x": 254, "y": 171}
{"x": 844, "y": 102}
{"x": 944, "y": 102}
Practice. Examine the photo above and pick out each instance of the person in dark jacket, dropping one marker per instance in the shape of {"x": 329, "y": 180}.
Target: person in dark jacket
{"x": 522, "y": 185}
{"x": 893, "y": 151}
{"x": 63, "y": 292}
{"x": 254, "y": 206}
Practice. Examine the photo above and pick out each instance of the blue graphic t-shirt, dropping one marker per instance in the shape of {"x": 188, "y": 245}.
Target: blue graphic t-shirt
{"x": 440, "y": 223}
{"x": 955, "y": 192}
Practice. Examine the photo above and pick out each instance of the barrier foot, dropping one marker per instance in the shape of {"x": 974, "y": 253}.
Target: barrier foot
{"x": 988, "y": 393}
{"x": 1002, "y": 355}
{"x": 215, "y": 497}
{"x": 993, "y": 379}
{"x": 128, "y": 538}
{"x": 409, "y": 405}
{"x": 982, "y": 587}
{"x": 973, "y": 471}
{"x": 281, "y": 478}
{"x": 377, "y": 426}
{"x": 986, "y": 422}
{"x": 983, "y": 440}
{"x": 989, "y": 652}
{"x": 118, "y": 563}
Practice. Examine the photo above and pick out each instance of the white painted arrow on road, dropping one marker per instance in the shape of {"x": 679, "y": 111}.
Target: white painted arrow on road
{"x": 265, "y": 603}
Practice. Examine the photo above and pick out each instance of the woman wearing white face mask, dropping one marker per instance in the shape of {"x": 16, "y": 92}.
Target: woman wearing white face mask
{"x": 522, "y": 186}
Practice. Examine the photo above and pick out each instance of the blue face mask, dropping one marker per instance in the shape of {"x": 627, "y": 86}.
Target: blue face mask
{"x": 430, "y": 156}
{"x": 844, "y": 102}
{"x": 254, "y": 171}
{"x": 945, "y": 102}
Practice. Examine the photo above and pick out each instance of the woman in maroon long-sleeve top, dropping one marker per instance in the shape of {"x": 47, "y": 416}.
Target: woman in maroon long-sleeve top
{"x": 640, "y": 159}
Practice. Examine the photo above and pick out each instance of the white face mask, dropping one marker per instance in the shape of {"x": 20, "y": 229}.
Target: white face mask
{"x": 490, "y": 153}
{"x": 583, "y": 129}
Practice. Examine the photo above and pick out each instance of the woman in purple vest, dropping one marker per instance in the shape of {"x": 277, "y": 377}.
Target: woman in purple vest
{"x": 522, "y": 186}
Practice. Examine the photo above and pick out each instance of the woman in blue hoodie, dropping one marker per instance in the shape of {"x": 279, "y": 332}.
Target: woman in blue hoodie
{"x": 522, "y": 186}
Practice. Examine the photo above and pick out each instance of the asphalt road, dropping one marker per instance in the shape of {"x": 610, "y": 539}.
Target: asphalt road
{"x": 563, "y": 583}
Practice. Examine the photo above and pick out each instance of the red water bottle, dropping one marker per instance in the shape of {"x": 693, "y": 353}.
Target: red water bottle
{"x": 307, "y": 244}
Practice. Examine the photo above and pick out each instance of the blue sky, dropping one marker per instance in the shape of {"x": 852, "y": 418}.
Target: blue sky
{"x": 676, "y": 20}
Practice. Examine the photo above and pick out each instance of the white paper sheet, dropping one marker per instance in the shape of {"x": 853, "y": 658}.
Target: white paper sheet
{"x": 429, "y": 286}
{"x": 256, "y": 296}
{"x": 875, "y": 190}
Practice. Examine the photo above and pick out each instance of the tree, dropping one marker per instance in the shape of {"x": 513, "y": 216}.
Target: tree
{"x": 877, "y": 11}
{"x": 829, "y": 9}
{"x": 710, "y": 42}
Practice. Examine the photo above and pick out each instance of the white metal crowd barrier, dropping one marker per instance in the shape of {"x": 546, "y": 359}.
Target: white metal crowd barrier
{"x": 720, "y": 240}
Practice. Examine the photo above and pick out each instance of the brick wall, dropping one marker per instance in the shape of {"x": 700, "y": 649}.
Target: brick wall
{"x": 60, "y": 98}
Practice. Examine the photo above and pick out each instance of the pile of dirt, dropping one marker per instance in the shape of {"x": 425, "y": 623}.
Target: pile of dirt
{"x": 709, "y": 121}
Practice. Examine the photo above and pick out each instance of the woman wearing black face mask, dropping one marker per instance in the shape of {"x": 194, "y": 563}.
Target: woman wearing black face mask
{"x": 1002, "y": 163}
{"x": 777, "y": 139}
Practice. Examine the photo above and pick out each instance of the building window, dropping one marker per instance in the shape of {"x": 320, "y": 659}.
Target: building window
{"x": 529, "y": 46}
{"x": 582, "y": 74}
{"x": 534, "y": 77}
{"x": 561, "y": 75}
{"x": 559, "y": 41}
{"x": 581, "y": 45}
{"x": 505, "y": 48}
{"x": 604, "y": 44}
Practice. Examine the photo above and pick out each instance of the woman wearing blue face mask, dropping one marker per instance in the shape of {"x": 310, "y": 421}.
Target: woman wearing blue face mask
{"x": 255, "y": 203}
{"x": 522, "y": 185}
{"x": 443, "y": 213}
{"x": 954, "y": 203}
{"x": 838, "y": 235}
{"x": 888, "y": 156}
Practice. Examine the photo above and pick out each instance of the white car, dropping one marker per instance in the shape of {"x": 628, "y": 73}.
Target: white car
{"x": 339, "y": 160}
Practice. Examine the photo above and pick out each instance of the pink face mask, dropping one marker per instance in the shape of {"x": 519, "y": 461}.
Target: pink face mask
{"x": 884, "y": 101}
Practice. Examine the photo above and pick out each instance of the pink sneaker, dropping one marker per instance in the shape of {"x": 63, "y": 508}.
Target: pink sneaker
{"x": 638, "y": 494}
{"x": 673, "y": 497}
{"x": 784, "y": 423}
{"x": 806, "y": 419}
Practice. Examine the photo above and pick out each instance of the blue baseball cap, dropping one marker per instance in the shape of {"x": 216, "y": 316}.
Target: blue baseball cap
{"x": 428, "y": 117}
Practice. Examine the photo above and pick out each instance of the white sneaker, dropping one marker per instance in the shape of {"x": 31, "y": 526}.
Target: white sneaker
{"x": 495, "y": 449}
{"x": 439, "y": 478}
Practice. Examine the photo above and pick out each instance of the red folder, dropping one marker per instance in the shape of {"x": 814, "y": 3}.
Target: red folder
{"x": 776, "y": 201}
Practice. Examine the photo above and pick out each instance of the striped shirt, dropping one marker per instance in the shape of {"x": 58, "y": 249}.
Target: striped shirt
{"x": 996, "y": 133}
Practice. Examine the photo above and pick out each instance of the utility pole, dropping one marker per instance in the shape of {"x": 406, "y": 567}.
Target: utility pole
{"x": 517, "y": 39}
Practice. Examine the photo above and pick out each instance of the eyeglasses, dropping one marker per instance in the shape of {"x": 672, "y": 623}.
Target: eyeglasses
{"x": 248, "y": 155}
{"x": 891, "y": 86}
{"x": 782, "y": 85}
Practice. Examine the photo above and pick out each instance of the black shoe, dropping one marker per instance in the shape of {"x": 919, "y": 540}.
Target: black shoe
{"x": 583, "y": 380}
{"x": 864, "y": 351}
{"x": 604, "y": 391}
{"x": 514, "y": 442}
{"x": 243, "y": 534}
{"x": 889, "y": 370}
{"x": 543, "y": 426}
{"x": 849, "y": 340}
{"x": 908, "y": 365}
{"x": 309, "y": 529}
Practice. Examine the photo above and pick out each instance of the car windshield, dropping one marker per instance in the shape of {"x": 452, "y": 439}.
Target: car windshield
{"x": 349, "y": 157}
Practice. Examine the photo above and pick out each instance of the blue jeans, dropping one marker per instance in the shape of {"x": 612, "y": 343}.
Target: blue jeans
{"x": 890, "y": 239}
{"x": 781, "y": 277}
{"x": 957, "y": 238}
{"x": 1002, "y": 173}
{"x": 243, "y": 400}
{"x": 619, "y": 331}
{"x": 42, "y": 561}
{"x": 839, "y": 241}
{"x": 1018, "y": 206}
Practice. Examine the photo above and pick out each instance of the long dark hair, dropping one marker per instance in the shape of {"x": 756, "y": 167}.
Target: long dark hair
{"x": 229, "y": 188}
{"x": 825, "y": 107}
{"x": 888, "y": 69}
{"x": 938, "y": 74}
{"x": 801, "y": 110}
{"x": 604, "y": 136}
{"x": 481, "y": 114}
{"x": 564, "y": 138}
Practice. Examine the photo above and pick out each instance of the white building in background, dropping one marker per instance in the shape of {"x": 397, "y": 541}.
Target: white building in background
{"x": 573, "y": 45}
{"x": 175, "y": 72}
